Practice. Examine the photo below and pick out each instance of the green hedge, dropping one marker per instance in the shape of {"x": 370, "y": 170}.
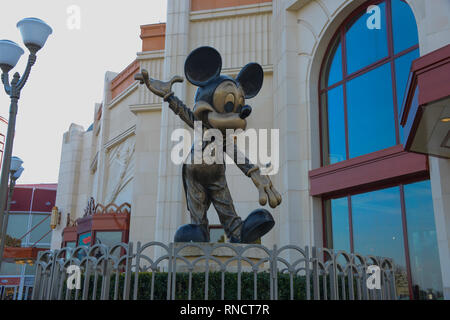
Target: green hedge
{"x": 198, "y": 286}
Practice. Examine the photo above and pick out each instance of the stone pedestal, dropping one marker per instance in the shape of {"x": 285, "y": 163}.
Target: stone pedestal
{"x": 203, "y": 255}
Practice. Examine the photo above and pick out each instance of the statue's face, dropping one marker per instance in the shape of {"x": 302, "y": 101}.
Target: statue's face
{"x": 220, "y": 99}
{"x": 226, "y": 109}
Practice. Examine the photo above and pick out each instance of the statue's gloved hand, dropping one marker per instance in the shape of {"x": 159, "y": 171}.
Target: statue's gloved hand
{"x": 266, "y": 189}
{"x": 160, "y": 88}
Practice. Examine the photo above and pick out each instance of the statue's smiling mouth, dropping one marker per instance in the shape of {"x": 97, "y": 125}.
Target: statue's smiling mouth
{"x": 222, "y": 121}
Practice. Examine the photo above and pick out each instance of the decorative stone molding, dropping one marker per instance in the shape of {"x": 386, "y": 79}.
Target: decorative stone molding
{"x": 98, "y": 117}
{"x": 231, "y": 12}
{"x": 136, "y": 108}
{"x": 93, "y": 208}
{"x": 99, "y": 217}
{"x": 120, "y": 167}
{"x": 133, "y": 87}
{"x": 93, "y": 166}
{"x": 295, "y": 5}
{"x": 112, "y": 208}
{"x": 121, "y": 137}
{"x": 224, "y": 7}
{"x": 149, "y": 55}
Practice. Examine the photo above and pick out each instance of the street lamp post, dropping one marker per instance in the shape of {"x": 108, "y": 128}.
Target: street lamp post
{"x": 15, "y": 173}
{"x": 35, "y": 33}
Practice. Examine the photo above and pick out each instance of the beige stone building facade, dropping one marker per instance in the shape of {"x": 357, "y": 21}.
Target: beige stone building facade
{"x": 125, "y": 155}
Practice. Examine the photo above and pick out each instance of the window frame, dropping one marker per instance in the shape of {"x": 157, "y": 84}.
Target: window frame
{"x": 327, "y": 232}
{"x": 339, "y": 38}
{"x": 329, "y": 170}
{"x": 123, "y": 235}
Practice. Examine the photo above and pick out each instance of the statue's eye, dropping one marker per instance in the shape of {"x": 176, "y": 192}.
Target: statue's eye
{"x": 241, "y": 102}
{"x": 229, "y": 103}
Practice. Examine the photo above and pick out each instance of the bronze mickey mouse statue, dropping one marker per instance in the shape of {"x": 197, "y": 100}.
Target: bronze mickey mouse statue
{"x": 219, "y": 104}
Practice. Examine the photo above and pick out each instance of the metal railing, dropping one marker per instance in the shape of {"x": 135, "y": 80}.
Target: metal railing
{"x": 211, "y": 271}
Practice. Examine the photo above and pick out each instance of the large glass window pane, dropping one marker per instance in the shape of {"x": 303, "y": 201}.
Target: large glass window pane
{"x": 108, "y": 238}
{"x": 378, "y": 231}
{"x": 340, "y": 224}
{"x": 366, "y": 46}
{"x": 70, "y": 244}
{"x": 402, "y": 68}
{"x": 334, "y": 116}
{"x": 334, "y": 70}
{"x": 42, "y": 230}
{"x": 371, "y": 125}
{"x": 404, "y": 26}
{"x": 17, "y": 225}
{"x": 423, "y": 247}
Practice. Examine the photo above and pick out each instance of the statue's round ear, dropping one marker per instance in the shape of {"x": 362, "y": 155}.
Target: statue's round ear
{"x": 251, "y": 79}
{"x": 202, "y": 65}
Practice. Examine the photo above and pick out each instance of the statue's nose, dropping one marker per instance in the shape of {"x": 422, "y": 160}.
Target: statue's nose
{"x": 245, "y": 112}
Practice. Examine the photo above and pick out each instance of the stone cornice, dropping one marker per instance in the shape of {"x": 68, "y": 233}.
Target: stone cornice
{"x": 148, "y": 55}
{"x": 124, "y": 94}
{"x": 120, "y": 138}
{"x": 124, "y": 78}
{"x": 295, "y": 5}
{"x": 136, "y": 108}
{"x": 219, "y": 13}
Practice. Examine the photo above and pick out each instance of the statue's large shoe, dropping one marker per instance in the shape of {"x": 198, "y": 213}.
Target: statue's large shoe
{"x": 191, "y": 233}
{"x": 258, "y": 223}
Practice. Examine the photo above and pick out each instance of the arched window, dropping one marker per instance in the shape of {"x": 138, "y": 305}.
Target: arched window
{"x": 363, "y": 81}
{"x": 362, "y": 85}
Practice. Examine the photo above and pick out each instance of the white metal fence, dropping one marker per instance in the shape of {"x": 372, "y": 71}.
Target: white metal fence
{"x": 211, "y": 271}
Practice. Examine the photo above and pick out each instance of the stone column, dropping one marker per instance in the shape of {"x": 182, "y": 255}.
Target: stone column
{"x": 143, "y": 211}
{"x": 100, "y": 193}
{"x": 69, "y": 172}
{"x": 440, "y": 187}
{"x": 433, "y": 24}
{"x": 291, "y": 114}
{"x": 170, "y": 206}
